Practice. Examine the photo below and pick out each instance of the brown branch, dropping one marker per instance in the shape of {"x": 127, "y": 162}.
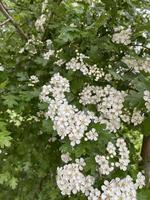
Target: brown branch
{"x": 145, "y": 153}
{"x": 5, "y": 12}
{"x": 5, "y": 22}
{"x": 139, "y": 45}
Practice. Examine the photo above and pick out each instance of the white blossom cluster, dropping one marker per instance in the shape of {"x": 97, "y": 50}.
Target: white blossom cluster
{"x": 48, "y": 54}
{"x": 137, "y": 64}
{"x": 31, "y": 45}
{"x": 137, "y": 117}
{"x": 140, "y": 181}
{"x": 33, "y": 80}
{"x": 119, "y": 189}
{"x": 67, "y": 119}
{"x": 147, "y": 99}
{"x": 104, "y": 167}
{"x": 109, "y": 102}
{"x": 39, "y": 24}
{"x": 124, "y": 159}
{"x": 66, "y": 157}
{"x": 111, "y": 149}
{"x": 120, "y": 149}
{"x": 91, "y": 135}
{"x": 71, "y": 180}
{"x": 71, "y": 122}
{"x": 126, "y": 116}
{"x": 15, "y": 118}
{"x": 59, "y": 62}
{"x": 78, "y": 63}
{"x": 122, "y": 36}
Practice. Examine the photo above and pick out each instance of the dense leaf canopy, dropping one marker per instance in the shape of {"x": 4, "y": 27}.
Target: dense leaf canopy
{"x": 38, "y": 39}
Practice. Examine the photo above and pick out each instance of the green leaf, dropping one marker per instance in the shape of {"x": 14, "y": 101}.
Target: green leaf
{"x": 143, "y": 194}
{"x": 10, "y": 100}
{"x": 13, "y": 183}
{"x": 4, "y": 136}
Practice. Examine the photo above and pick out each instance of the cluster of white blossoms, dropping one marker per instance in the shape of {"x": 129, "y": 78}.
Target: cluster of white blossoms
{"x": 78, "y": 63}
{"x": 120, "y": 149}
{"x": 124, "y": 189}
{"x": 48, "y": 54}
{"x": 119, "y": 189}
{"x": 122, "y": 36}
{"x": 91, "y": 135}
{"x": 71, "y": 180}
{"x": 67, "y": 119}
{"x": 39, "y": 24}
{"x": 111, "y": 149}
{"x": 66, "y": 157}
{"x": 33, "y": 80}
{"x": 31, "y": 45}
{"x": 147, "y": 99}
{"x": 104, "y": 167}
{"x": 140, "y": 181}
{"x": 124, "y": 159}
{"x": 138, "y": 64}
{"x": 109, "y": 102}
{"x": 137, "y": 117}
{"x": 15, "y": 118}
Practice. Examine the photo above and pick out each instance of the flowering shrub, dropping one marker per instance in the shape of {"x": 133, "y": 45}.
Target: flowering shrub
{"x": 75, "y": 100}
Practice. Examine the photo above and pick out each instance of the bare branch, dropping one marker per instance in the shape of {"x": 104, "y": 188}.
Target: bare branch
{"x": 5, "y": 12}
{"x": 5, "y": 22}
{"x": 139, "y": 45}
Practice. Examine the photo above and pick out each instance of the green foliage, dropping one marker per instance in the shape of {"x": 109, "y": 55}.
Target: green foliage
{"x": 30, "y": 155}
{"x": 4, "y": 136}
{"x": 144, "y": 194}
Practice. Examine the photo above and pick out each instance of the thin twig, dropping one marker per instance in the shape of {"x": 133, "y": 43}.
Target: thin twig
{"x": 5, "y": 22}
{"x": 139, "y": 45}
{"x": 5, "y": 12}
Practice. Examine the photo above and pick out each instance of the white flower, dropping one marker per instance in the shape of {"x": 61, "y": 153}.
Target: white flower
{"x": 66, "y": 157}
{"x": 94, "y": 194}
{"x": 140, "y": 181}
{"x": 137, "y": 118}
{"x": 119, "y": 189}
{"x": 21, "y": 50}
{"x": 123, "y": 153}
{"x": 48, "y": 54}
{"x": 122, "y": 37}
{"x": 91, "y": 135}
{"x": 146, "y": 98}
{"x": 49, "y": 43}
{"x": 138, "y": 64}
{"x": 15, "y": 118}
{"x": 78, "y": 63}
{"x": 105, "y": 166}
{"x": 71, "y": 180}
{"x": 109, "y": 103}
{"x": 33, "y": 80}
{"x": 39, "y": 24}
{"x": 111, "y": 149}
{"x": 67, "y": 119}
